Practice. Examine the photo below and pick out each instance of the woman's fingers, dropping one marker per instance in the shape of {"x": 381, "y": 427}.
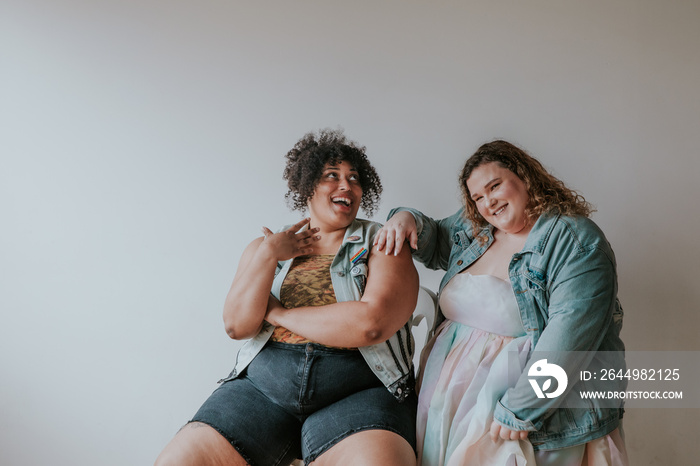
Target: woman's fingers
{"x": 398, "y": 241}
{"x": 399, "y": 228}
{"x": 309, "y": 239}
{"x": 297, "y": 226}
{"x": 390, "y": 241}
{"x": 305, "y": 235}
{"x": 304, "y": 239}
{"x": 505, "y": 433}
{"x": 293, "y": 232}
{"x": 413, "y": 239}
{"x": 495, "y": 430}
{"x": 291, "y": 242}
{"x": 380, "y": 239}
{"x": 308, "y": 234}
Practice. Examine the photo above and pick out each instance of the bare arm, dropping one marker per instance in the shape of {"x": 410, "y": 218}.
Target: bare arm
{"x": 387, "y": 304}
{"x": 247, "y": 300}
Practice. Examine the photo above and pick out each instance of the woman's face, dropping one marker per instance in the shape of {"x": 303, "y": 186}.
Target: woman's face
{"x": 336, "y": 199}
{"x": 500, "y": 196}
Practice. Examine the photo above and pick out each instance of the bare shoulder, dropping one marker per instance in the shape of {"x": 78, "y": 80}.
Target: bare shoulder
{"x": 248, "y": 254}
{"x": 254, "y": 245}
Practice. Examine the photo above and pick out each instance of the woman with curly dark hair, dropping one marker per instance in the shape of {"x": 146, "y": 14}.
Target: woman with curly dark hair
{"x": 327, "y": 374}
{"x": 531, "y": 284}
{"x": 307, "y": 160}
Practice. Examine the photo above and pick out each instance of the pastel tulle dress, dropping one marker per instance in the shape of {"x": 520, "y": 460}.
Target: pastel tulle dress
{"x": 465, "y": 371}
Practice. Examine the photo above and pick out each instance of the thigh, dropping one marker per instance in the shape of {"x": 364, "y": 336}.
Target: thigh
{"x": 259, "y": 429}
{"x": 370, "y": 447}
{"x": 374, "y": 411}
{"x": 199, "y": 444}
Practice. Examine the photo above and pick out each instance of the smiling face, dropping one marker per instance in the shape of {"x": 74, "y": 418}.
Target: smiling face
{"x": 500, "y": 197}
{"x": 337, "y": 196}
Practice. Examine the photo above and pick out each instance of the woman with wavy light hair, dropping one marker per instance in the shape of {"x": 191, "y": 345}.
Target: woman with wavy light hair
{"x": 527, "y": 273}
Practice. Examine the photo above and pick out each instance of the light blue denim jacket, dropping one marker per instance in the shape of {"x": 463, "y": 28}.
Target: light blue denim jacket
{"x": 392, "y": 360}
{"x": 565, "y": 284}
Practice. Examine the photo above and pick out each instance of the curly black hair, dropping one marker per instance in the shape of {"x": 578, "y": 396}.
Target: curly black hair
{"x": 306, "y": 161}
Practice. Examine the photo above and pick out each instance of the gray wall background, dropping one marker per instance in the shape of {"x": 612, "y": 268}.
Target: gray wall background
{"x": 142, "y": 148}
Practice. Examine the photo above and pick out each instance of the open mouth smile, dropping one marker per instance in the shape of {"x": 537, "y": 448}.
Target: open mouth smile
{"x": 500, "y": 211}
{"x": 344, "y": 201}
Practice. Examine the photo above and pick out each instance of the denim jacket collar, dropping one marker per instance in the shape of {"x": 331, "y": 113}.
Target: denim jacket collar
{"x": 354, "y": 233}
{"x": 541, "y": 231}
{"x": 537, "y": 238}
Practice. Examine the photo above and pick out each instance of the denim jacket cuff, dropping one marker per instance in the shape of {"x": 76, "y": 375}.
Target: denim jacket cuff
{"x": 506, "y": 417}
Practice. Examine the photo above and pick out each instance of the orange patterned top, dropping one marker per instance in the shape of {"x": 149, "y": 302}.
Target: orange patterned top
{"x": 308, "y": 283}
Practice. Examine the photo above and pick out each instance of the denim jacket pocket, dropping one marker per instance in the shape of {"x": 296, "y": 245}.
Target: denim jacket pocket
{"x": 537, "y": 286}
{"x": 461, "y": 239}
{"x": 536, "y": 278}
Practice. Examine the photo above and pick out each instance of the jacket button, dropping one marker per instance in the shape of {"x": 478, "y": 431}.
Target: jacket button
{"x": 341, "y": 274}
{"x": 460, "y": 262}
{"x": 378, "y": 367}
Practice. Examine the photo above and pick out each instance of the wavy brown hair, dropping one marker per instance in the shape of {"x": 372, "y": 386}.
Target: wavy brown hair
{"x": 547, "y": 193}
{"x": 309, "y": 156}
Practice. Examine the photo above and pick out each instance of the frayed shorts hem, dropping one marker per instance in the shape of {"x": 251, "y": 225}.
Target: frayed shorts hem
{"x": 313, "y": 456}
{"x": 228, "y": 439}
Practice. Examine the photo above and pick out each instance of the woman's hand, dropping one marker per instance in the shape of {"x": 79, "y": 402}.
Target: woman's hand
{"x": 247, "y": 301}
{"x": 274, "y": 308}
{"x": 399, "y": 228}
{"x": 290, "y": 243}
{"x": 497, "y": 430}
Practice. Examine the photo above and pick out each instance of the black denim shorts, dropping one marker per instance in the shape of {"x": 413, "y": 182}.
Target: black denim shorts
{"x": 297, "y": 401}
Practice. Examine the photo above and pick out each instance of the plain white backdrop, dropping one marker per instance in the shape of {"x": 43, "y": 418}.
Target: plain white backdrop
{"x": 142, "y": 145}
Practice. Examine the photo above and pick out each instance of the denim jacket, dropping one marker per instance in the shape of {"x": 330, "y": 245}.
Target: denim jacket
{"x": 565, "y": 283}
{"x": 392, "y": 360}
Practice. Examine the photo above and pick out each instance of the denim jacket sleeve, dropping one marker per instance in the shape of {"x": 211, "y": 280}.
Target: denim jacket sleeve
{"x": 434, "y": 237}
{"x": 580, "y": 298}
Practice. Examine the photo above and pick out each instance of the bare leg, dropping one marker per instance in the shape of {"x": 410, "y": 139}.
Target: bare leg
{"x": 369, "y": 448}
{"x": 199, "y": 444}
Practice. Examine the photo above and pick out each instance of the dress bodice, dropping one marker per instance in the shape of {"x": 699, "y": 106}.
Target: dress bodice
{"x": 484, "y": 302}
